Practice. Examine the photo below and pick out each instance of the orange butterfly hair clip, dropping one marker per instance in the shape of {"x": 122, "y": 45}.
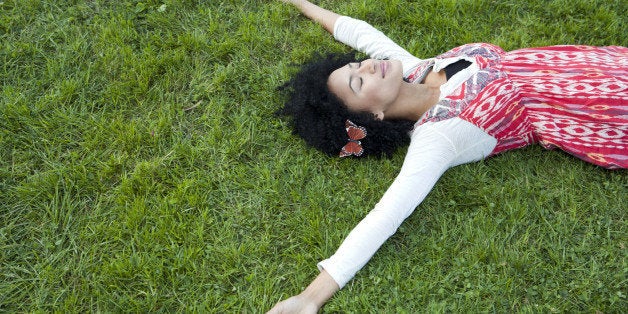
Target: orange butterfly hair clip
{"x": 354, "y": 146}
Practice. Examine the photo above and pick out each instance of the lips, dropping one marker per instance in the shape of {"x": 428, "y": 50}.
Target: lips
{"x": 383, "y": 66}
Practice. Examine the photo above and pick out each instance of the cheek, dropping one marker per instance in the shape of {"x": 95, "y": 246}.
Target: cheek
{"x": 385, "y": 92}
{"x": 365, "y": 103}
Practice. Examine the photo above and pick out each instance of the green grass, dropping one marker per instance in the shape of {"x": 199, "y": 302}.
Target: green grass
{"x": 142, "y": 169}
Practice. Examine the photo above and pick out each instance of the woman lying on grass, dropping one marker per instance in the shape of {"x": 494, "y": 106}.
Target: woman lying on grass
{"x": 469, "y": 103}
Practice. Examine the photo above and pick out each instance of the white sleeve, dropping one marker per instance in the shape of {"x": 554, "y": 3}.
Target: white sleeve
{"x": 365, "y": 38}
{"x": 434, "y": 148}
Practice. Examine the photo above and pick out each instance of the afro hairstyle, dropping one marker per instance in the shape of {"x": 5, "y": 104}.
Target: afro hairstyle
{"x": 318, "y": 116}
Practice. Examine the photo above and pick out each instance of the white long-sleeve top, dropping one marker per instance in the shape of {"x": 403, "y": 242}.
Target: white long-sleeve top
{"x": 434, "y": 148}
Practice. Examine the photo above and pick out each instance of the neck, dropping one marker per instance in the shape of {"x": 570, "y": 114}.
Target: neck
{"x": 413, "y": 101}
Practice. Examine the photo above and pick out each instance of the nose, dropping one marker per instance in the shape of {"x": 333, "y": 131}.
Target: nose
{"x": 368, "y": 66}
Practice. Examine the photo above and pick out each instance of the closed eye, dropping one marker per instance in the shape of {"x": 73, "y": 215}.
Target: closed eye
{"x": 355, "y": 87}
{"x": 355, "y": 83}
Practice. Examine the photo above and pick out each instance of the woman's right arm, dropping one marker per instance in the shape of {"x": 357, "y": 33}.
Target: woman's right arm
{"x": 435, "y": 148}
{"x": 322, "y": 16}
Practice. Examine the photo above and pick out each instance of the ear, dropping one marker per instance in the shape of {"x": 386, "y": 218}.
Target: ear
{"x": 379, "y": 115}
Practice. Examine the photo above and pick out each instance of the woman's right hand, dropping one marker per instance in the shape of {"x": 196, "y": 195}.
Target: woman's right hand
{"x": 295, "y": 304}
{"x": 311, "y": 299}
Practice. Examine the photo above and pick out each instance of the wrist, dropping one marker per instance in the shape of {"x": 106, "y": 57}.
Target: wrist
{"x": 310, "y": 300}
{"x": 320, "y": 290}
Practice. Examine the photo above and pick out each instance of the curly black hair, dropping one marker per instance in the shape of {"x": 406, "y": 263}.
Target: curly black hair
{"x": 318, "y": 116}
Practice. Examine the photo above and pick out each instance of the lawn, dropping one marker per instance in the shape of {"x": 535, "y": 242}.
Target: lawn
{"x": 142, "y": 168}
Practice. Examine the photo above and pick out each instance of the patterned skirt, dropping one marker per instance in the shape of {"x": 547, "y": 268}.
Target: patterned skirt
{"x": 574, "y": 98}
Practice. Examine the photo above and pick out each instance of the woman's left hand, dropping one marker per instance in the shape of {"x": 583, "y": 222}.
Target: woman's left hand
{"x": 322, "y": 16}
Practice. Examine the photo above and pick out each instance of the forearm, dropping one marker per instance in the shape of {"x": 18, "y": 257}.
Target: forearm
{"x": 322, "y": 16}
{"x": 321, "y": 289}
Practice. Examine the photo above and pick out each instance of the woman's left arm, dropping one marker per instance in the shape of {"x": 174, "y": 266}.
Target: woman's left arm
{"x": 315, "y": 13}
{"x": 356, "y": 33}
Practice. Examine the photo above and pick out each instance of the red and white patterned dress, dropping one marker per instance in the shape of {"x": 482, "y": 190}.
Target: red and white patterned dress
{"x": 574, "y": 98}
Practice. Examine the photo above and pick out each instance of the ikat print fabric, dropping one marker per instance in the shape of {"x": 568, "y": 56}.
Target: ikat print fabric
{"x": 570, "y": 97}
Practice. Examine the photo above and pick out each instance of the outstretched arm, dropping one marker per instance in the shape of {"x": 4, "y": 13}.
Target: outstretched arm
{"x": 435, "y": 147}
{"x": 322, "y": 16}
{"x": 356, "y": 34}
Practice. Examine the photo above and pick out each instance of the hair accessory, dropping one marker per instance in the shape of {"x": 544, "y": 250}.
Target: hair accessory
{"x": 354, "y": 146}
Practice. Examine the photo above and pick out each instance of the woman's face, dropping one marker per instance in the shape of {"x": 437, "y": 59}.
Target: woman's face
{"x": 371, "y": 85}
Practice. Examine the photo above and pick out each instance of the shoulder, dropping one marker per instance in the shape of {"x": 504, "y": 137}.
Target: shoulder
{"x": 454, "y": 141}
{"x": 448, "y": 128}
